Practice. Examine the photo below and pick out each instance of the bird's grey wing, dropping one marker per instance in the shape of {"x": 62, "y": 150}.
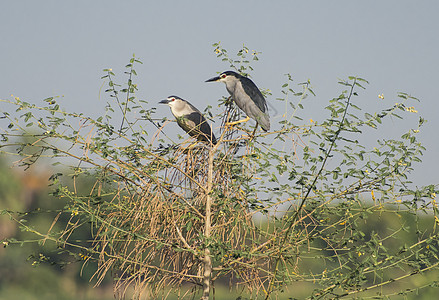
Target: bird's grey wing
{"x": 255, "y": 94}
{"x": 196, "y": 125}
{"x": 185, "y": 124}
{"x": 207, "y": 131}
{"x": 202, "y": 125}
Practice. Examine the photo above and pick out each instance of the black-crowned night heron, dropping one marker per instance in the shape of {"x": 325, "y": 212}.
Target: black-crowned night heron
{"x": 190, "y": 119}
{"x": 247, "y": 96}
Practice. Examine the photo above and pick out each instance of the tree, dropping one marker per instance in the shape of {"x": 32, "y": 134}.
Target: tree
{"x": 263, "y": 212}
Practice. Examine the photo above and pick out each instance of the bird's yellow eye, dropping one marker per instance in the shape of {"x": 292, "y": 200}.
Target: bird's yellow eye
{"x": 223, "y": 76}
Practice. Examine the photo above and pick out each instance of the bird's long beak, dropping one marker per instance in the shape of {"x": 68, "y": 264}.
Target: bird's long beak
{"x": 217, "y": 78}
{"x": 166, "y": 101}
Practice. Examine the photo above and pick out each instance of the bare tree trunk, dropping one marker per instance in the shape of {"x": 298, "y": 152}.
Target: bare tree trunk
{"x": 207, "y": 274}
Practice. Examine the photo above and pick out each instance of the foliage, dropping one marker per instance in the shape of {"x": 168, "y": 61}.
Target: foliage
{"x": 301, "y": 203}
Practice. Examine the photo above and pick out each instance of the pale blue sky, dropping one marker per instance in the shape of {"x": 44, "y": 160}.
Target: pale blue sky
{"x": 60, "y": 48}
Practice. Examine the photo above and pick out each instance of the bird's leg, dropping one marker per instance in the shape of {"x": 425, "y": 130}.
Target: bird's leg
{"x": 254, "y": 132}
{"x": 237, "y": 122}
{"x": 251, "y": 136}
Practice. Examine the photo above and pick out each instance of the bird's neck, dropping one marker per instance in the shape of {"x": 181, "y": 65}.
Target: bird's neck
{"x": 230, "y": 86}
{"x": 181, "y": 110}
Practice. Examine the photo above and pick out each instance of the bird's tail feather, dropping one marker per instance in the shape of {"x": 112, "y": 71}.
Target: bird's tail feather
{"x": 264, "y": 120}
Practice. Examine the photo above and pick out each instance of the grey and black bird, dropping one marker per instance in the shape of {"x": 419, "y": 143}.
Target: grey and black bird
{"x": 247, "y": 96}
{"x": 190, "y": 119}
